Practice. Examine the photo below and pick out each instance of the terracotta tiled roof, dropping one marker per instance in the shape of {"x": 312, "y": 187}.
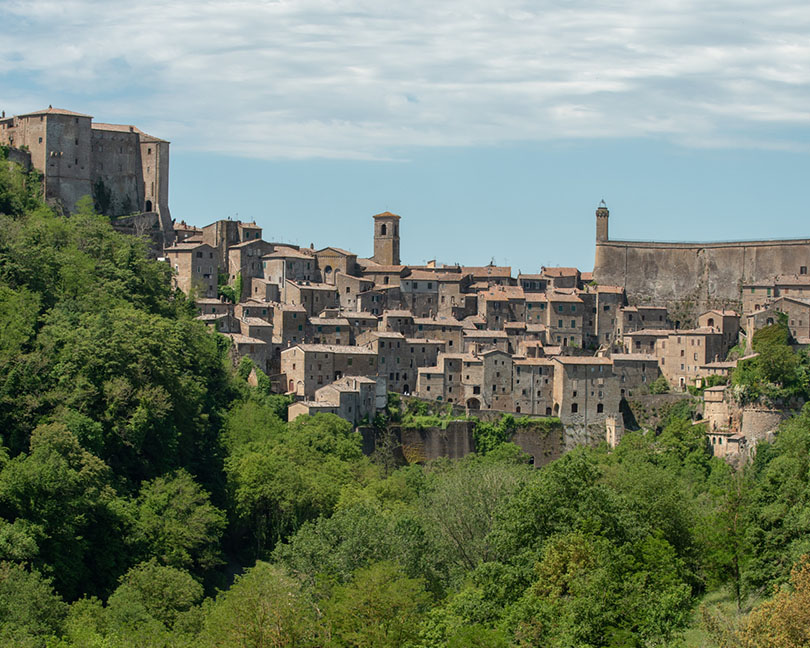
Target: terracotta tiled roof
{"x": 286, "y": 253}
{"x": 563, "y": 297}
{"x": 617, "y": 290}
{"x": 328, "y": 321}
{"x": 120, "y": 128}
{"x": 333, "y": 348}
{"x": 629, "y": 357}
{"x": 534, "y": 361}
{"x": 340, "y": 251}
{"x": 580, "y": 360}
{"x": 55, "y": 111}
{"x": 244, "y": 339}
{"x": 478, "y": 333}
{"x": 184, "y": 246}
{"x": 488, "y": 271}
{"x": 560, "y": 272}
{"x": 721, "y": 312}
{"x": 442, "y": 321}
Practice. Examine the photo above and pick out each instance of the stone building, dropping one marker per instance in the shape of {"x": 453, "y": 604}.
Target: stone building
{"x": 329, "y": 330}
{"x": 637, "y": 318}
{"x": 382, "y": 275}
{"x": 533, "y": 382}
{"x": 332, "y": 260}
{"x": 446, "y": 329}
{"x": 195, "y": 268}
{"x": 349, "y": 289}
{"x": 286, "y": 263}
{"x": 560, "y": 278}
{"x": 264, "y": 290}
{"x": 477, "y": 342}
{"x": 798, "y": 316}
{"x": 308, "y": 367}
{"x": 501, "y": 304}
{"x": 564, "y": 319}
{"x": 586, "y": 392}
{"x": 682, "y": 354}
{"x": 122, "y": 168}
{"x": 253, "y": 348}
{"x": 289, "y": 324}
{"x": 727, "y": 322}
{"x": 314, "y": 297}
{"x": 245, "y": 261}
{"x": 353, "y": 398}
{"x": 635, "y": 371}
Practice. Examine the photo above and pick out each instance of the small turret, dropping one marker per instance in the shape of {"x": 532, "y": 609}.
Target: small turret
{"x": 602, "y": 215}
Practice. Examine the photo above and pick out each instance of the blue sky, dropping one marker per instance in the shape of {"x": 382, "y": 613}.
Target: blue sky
{"x": 493, "y": 129}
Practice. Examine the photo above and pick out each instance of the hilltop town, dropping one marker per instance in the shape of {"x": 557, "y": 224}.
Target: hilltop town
{"x": 339, "y": 333}
{"x": 200, "y": 421}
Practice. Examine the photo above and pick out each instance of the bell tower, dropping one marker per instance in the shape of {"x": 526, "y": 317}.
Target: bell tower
{"x": 386, "y": 238}
{"x": 602, "y": 215}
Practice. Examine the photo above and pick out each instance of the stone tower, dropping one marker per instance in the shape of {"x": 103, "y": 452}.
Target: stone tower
{"x": 602, "y": 215}
{"x": 386, "y": 238}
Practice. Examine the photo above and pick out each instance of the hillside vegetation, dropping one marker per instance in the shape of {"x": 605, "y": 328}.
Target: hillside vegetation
{"x": 150, "y": 497}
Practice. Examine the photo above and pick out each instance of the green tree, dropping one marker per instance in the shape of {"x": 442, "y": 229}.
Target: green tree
{"x": 30, "y": 612}
{"x": 63, "y": 495}
{"x": 293, "y": 477}
{"x": 176, "y": 523}
{"x": 380, "y": 608}
{"x": 163, "y": 592}
{"x": 263, "y": 608}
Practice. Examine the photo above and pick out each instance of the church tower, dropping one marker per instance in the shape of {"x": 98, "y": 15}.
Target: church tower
{"x": 602, "y": 215}
{"x": 386, "y": 238}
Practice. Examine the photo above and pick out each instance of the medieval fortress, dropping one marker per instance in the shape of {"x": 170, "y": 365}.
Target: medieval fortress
{"x": 122, "y": 168}
{"x": 339, "y": 333}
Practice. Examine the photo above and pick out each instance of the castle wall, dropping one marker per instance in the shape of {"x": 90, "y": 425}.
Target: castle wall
{"x": 67, "y": 174}
{"x": 117, "y": 169}
{"x": 710, "y": 274}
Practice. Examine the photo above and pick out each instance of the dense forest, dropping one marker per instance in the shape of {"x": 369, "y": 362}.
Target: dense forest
{"x": 150, "y": 496}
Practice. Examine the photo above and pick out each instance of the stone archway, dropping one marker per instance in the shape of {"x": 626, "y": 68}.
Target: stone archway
{"x": 473, "y": 404}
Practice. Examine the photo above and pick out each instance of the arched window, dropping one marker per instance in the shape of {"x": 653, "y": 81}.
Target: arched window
{"x": 383, "y": 229}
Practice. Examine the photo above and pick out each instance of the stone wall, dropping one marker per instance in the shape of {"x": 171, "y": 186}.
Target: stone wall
{"x": 454, "y": 441}
{"x": 702, "y": 275}
{"x": 23, "y": 158}
{"x": 759, "y": 424}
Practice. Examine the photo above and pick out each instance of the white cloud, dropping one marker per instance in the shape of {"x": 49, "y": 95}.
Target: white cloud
{"x": 363, "y": 79}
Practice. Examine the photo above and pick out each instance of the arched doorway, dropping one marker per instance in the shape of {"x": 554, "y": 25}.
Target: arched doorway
{"x": 473, "y": 404}
{"x": 405, "y": 389}
{"x": 148, "y": 206}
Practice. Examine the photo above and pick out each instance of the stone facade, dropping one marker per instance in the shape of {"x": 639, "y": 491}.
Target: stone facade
{"x": 122, "y": 168}
{"x": 709, "y": 274}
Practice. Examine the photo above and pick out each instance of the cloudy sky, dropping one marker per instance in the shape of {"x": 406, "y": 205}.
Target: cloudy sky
{"x": 493, "y": 128}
